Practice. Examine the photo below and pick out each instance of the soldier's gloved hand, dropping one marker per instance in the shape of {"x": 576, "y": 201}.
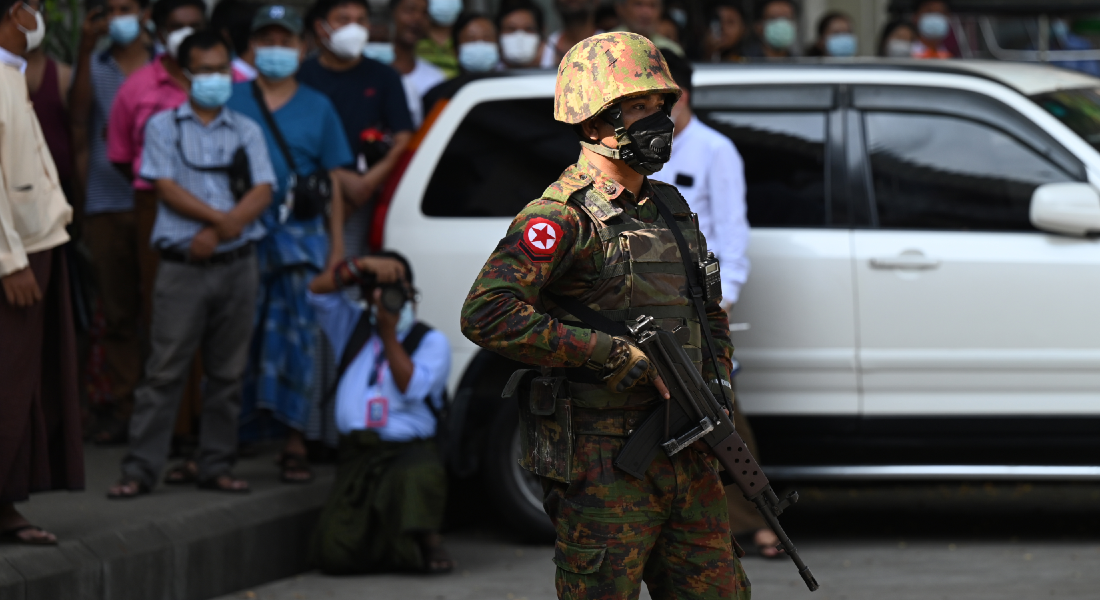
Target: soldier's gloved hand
{"x": 626, "y": 366}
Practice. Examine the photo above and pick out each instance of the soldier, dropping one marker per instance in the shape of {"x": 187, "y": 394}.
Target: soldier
{"x": 576, "y": 265}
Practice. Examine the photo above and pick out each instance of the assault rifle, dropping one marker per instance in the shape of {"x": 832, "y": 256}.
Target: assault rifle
{"x": 695, "y": 414}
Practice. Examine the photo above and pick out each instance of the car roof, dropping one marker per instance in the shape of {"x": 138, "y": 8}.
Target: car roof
{"x": 1027, "y": 78}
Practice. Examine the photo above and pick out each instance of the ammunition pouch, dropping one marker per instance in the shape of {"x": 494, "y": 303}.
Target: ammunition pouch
{"x": 545, "y": 422}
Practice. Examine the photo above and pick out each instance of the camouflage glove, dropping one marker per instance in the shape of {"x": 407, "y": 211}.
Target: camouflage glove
{"x": 626, "y": 366}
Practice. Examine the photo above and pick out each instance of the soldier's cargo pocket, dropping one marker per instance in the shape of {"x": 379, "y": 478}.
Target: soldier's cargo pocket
{"x": 583, "y": 560}
{"x": 546, "y": 429}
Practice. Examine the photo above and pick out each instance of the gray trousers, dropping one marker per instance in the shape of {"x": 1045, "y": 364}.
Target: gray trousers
{"x": 211, "y": 308}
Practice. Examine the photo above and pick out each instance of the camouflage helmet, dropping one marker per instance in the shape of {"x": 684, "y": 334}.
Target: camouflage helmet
{"x": 603, "y": 69}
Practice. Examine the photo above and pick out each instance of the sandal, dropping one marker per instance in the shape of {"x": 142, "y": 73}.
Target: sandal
{"x": 184, "y": 473}
{"x": 437, "y": 561}
{"x": 295, "y": 468}
{"x": 128, "y": 488}
{"x": 226, "y": 483}
{"x": 12, "y": 536}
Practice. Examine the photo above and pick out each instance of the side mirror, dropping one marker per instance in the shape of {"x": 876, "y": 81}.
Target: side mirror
{"x": 1067, "y": 208}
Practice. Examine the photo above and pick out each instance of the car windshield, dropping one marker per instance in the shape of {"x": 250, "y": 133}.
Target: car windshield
{"x": 1079, "y": 109}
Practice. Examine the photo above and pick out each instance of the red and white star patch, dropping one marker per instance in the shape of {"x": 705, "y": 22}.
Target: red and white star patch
{"x": 540, "y": 239}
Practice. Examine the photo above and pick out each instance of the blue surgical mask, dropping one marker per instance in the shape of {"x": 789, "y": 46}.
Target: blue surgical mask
{"x": 380, "y": 51}
{"x": 276, "y": 62}
{"x": 211, "y": 90}
{"x": 1060, "y": 28}
{"x": 779, "y": 33}
{"x": 124, "y": 29}
{"x": 933, "y": 26}
{"x": 444, "y": 12}
{"x": 478, "y": 57}
{"x": 841, "y": 44}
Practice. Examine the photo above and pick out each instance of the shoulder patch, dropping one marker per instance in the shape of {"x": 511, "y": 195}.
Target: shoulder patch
{"x": 540, "y": 239}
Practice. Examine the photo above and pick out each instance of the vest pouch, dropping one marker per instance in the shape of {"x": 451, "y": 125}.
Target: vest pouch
{"x": 546, "y": 428}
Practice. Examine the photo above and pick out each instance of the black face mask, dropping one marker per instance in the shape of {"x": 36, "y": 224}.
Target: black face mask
{"x": 650, "y": 144}
{"x": 645, "y": 146}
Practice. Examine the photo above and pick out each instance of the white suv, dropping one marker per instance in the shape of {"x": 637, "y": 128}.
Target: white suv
{"x": 925, "y": 289}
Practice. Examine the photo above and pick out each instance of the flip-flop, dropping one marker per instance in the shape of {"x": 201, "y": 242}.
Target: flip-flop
{"x": 141, "y": 489}
{"x": 11, "y": 536}
{"x": 292, "y": 462}
{"x": 182, "y": 474}
{"x": 437, "y": 554}
{"x": 213, "y": 485}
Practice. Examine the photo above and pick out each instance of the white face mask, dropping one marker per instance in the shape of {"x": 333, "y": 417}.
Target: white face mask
{"x": 896, "y": 48}
{"x": 348, "y": 41}
{"x": 478, "y": 57}
{"x": 35, "y": 36}
{"x": 174, "y": 39}
{"x": 519, "y": 47}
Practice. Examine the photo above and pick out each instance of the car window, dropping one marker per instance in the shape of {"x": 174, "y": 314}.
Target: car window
{"x": 933, "y": 171}
{"x": 502, "y": 156}
{"x": 784, "y": 154}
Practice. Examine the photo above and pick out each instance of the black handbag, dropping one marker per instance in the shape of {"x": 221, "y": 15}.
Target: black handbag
{"x": 308, "y": 196}
{"x": 238, "y": 170}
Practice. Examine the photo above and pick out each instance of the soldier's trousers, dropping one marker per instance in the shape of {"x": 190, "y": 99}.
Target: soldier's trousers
{"x": 670, "y": 529}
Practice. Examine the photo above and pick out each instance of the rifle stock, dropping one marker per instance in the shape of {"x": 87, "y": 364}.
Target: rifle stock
{"x": 710, "y": 423}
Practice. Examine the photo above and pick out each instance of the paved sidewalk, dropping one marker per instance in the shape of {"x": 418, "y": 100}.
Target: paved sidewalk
{"x": 179, "y": 543}
{"x": 493, "y": 568}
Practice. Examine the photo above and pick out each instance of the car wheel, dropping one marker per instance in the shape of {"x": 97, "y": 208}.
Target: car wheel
{"x": 517, "y": 493}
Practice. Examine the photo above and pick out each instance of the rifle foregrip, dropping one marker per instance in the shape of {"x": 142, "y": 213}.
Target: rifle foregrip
{"x": 735, "y": 457}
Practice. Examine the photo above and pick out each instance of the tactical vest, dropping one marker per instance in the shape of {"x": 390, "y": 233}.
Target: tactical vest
{"x": 643, "y": 274}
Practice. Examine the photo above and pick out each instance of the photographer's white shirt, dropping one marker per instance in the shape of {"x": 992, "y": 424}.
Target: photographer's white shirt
{"x": 407, "y": 416}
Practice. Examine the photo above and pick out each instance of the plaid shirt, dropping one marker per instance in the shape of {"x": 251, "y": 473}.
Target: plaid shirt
{"x": 208, "y": 145}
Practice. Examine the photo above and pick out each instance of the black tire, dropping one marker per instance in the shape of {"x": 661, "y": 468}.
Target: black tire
{"x": 515, "y": 492}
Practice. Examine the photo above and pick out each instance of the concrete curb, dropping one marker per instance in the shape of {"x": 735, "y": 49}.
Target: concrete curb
{"x": 194, "y": 554}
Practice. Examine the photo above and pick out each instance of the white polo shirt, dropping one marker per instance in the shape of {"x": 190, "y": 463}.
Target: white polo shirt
{"x": 709, "y": 173}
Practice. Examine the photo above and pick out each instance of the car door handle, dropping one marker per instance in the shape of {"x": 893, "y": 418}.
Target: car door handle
{"x": 905, "y": 260}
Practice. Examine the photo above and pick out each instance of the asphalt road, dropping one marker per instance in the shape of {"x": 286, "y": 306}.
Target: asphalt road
{"x": 897, "y": 542}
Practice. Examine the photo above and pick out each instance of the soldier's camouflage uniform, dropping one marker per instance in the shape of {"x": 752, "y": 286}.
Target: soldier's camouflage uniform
{"x": 591, "y": 239}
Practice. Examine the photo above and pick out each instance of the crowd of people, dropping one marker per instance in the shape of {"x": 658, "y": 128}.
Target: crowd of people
{"x": 220, "y": 175}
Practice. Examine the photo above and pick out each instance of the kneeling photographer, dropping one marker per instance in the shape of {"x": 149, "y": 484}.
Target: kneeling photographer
{"x": 386, "y": 506}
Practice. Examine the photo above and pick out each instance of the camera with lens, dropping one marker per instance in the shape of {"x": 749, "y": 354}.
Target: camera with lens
{"x": 393, "y": 297}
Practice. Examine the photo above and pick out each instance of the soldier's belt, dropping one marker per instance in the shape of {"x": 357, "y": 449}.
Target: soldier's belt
{"x": 616, "y": 422}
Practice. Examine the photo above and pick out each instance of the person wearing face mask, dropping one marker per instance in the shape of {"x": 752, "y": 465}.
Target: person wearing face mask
{"x": 157, "y": 86}
{"x": 438, "y": 46}
{"x": 306, "y": 142}
{"x": 557, "y": 293}
{"x": 776, "y": 30}
{"x": 644, "y": 17}
{"x": 475, "y": 36}
{"x": 1063, "y": 38}
{"x": 386, "y": 506}
{"x": 40, "y": 437}
{"x": 370, "y": 99}
{"x": 933, "y": 27}
{"x": 205, "y": 292}
{"x": 110, "y": 227}
{"x": 834, "y": 37}
{"x": 520, "y": 25}
{"x": 410, "y": 25}
{"x": 897, "y": 40}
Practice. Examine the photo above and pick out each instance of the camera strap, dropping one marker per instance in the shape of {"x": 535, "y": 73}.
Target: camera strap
{"x": 276, "y": 133}
{"x": 183, "y": 155}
